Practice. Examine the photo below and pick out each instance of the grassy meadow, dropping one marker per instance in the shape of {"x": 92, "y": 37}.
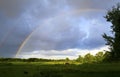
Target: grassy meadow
{"x": 58, "y": 69}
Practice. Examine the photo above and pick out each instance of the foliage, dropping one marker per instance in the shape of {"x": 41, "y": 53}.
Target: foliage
{"x": 88, "y": 58}
{"x": 67, "y": 59}
{"x": 99, "y": 57}
{"x": 113, "y": 16}
{"x": 80, "y": 59}
{"x": 23, "y": 60}
{"x": 107, "y": 57}
{"x": 41, "y": 69}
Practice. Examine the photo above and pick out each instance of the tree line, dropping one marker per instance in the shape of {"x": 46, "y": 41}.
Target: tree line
{"x": 98, "y": 58}
{"x": 88, "y": 58}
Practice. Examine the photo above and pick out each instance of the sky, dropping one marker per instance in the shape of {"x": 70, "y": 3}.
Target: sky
{"x": 53, "y": 29}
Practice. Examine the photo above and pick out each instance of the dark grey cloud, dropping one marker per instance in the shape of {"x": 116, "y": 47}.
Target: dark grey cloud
{"x": 60, "y": 35}
{"x": 66, "y": 33}
{"x": 94, "y": 37}
{"x": 91, "y": 4}
{"x": 57, "y": 24}
{"x": 14, "y": 7}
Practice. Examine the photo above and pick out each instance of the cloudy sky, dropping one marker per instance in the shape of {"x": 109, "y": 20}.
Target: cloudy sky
{"x": 52, "y": 28}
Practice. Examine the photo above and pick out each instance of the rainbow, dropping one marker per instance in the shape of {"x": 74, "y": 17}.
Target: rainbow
{"x": 62, "y": 14}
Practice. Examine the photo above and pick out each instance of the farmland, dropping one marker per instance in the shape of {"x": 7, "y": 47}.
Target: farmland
{"x": 58, "y": 69}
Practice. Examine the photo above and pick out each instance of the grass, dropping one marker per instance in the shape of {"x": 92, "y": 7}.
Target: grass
{"x": 58, "y": 69}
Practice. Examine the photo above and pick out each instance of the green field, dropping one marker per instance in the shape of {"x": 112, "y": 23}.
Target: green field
{"x": 58, "y": 69}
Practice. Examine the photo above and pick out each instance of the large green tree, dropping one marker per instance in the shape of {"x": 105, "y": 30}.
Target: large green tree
{"x": 88, "y": 58}
{"x": 99, "y": 56}
{"x": 113, "y": 16}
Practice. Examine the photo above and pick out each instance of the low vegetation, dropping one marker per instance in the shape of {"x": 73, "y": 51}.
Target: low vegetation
{"x": 87, "y": 66}
{"x": 58, "y": 69}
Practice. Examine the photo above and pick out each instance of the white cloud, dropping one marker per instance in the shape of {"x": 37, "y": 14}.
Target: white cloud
{"x": 56, "y": 54}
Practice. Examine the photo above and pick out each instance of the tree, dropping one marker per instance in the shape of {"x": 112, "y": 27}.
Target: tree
{"x": 67, "y": 59}
{"x": 80, "y": 59}
{"x": 99, "y": 57}
{"x": 88, "y": 58}
{"x": 107, "y": 56}
{"x": 113, "y": 16}
{"x": 32, "y": 60}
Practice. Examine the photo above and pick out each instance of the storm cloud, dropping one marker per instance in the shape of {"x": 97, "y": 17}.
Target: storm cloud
{"x": 52, "y": 25}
